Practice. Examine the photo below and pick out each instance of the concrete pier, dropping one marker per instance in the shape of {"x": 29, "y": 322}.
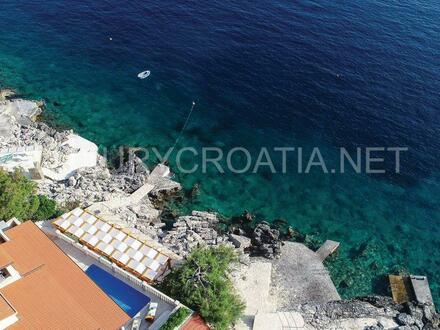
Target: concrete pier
{"x": 327, "y": 249}
{"x": 421, "y": 289}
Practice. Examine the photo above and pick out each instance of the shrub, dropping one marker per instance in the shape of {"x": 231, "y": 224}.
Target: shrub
{"x": 176, "y": 319}
{"x": 202, "y": 284}
{"x": 47, "y": 209}
{"x": 19, "y": 199}
{"x": 17, "y": 196}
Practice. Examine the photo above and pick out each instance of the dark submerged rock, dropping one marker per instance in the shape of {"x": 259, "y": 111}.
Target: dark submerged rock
{"x": 265, "y": 241}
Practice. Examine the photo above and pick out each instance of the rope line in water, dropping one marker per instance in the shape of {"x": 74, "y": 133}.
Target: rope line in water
{"x": 184, "y": 125}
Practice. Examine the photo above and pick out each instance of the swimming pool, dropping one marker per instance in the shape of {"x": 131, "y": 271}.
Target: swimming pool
{"x": 128, "y": 298}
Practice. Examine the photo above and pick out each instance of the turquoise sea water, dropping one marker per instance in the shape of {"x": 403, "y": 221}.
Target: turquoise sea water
{"x": 263, "y": 74}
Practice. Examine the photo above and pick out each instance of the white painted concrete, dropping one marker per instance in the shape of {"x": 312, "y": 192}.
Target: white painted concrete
{"x": 86, "y": 156}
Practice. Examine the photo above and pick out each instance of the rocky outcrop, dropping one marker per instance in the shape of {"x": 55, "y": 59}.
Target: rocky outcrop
{"x": 85, "y": 185}
{"x": 373, "y": 313}
{"x": 240, "y": 242}
{"x": 197, "y": 229}
{"x": 90, "y": 185}
{"x": 266, "y": 241}
{"x": 5, "y": 93}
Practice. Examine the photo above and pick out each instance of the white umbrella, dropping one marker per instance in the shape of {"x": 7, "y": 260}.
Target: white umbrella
{"x": 129, "y": 240}
{"x": 121, "y": 246}
{"x": 92, "y": 230}
{"x": 149, "y": 252}
{"x": 133, "y": 264}
{"x": 100, "y": 234}
{"x": 154, "y": 265}
{"x": 150, "y": 274}
{"x": 105, "y": 248}
{"x": 65, "y": 224}
{"x": 102, "y": 226}
{"x": 107, "y": 238}
{"x": 122, "y": 258}
{"x": 131, "y": 252}
{"x": 162, "y": 259}
{"x": 136, "y": 244}
{"x": 91, "y": 240}
{"x": 78, "y": 232}
{"x": 89, "y": 218}
{"x": 140, "y": 268}
{"x": 133, "y": 242}
{"x": 86, "y": 226}
{"x": 152, "y": 254}
{"x": 114, "y": 232}
{"x": 108, "y": 249}
{"x": 135, "y": 254}
{"x": 106, "y": 227}
{"x": 120, "y": 236}
{"x": 72, "y": 229}
{"x": 78, "y": 211}
{"x": 78, "y": 222}
{"x": 138, "y": 256}
{"x": 65, "y": 215}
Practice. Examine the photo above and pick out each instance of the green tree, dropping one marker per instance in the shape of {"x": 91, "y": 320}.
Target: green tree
{"x": 19, "y": 199}
{"x": 17, "y": 196}
{"x": 202, "y": 284}
{"x": 47, "y": 209}
{"x": 176, "y": 319}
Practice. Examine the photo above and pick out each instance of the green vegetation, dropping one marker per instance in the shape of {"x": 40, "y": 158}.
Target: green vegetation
{"x": 176, "y": 319}
{"x": 19, "y": 198}
{"x": 47, "y": 208}
{"x": 202, "y": 284}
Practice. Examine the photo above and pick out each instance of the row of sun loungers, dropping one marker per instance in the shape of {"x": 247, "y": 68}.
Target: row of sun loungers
{"x": 110, "y": 241}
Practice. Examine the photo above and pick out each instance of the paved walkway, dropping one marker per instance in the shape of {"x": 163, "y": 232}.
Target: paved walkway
{"x": 279, "y": 321}
{"x": 85, "y": 155}
{"x": 273, "y": 288}
{"x": 299, "y": 277}
{"x": 253, "y": 285}
{"x": 134, "y": 198}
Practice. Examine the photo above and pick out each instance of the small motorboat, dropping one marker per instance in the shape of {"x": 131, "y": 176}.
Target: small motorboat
{"x": 144, "y": 74}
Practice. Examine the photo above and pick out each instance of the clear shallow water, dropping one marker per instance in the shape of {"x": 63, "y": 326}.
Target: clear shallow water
{"x": 263, "y": 74}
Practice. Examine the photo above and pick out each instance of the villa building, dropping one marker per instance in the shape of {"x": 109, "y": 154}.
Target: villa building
{"x": 42, "y": 288}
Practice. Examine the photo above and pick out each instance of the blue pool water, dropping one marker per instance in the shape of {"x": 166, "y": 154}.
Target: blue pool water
{"x": 128, "y": 298}
{"x": 264, "y": 73}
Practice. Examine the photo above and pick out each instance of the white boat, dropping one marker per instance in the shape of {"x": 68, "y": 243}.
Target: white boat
{"x": 144, "y": 74}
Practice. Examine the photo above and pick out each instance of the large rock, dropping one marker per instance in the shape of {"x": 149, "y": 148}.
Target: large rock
{"x": 191, "y": 231}
{"x": 405, "y": 319}
{"x": 240, "y": 242}
{"x": 266, "y": 241}
{"x": 6, "y": 93}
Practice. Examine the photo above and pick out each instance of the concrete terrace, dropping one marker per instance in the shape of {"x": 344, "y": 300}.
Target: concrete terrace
{"x": 272, "y": 289}
{"x": 299, "y": 277}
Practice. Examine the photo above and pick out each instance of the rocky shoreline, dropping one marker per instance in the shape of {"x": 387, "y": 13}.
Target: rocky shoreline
{"x": 91, "y": 185}
{"x": 370, "y": 313}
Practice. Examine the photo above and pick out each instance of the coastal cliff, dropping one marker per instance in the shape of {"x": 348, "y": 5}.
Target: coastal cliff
{"x": 291, "y": 279}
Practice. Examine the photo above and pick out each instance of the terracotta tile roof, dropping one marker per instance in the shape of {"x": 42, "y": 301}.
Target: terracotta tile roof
{"x": 54, "y": 293}
{"x": 5, "y": 259}
{"x": 5, "y": 308}
{"x": 195, "y": 323}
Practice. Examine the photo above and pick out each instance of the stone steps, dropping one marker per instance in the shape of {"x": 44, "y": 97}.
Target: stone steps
{"x": 279, "y": 321}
